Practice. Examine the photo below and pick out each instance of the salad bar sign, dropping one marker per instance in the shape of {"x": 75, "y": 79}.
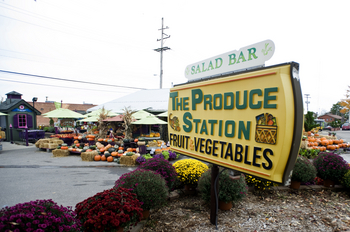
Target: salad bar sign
{"x": 253, "y": 55}
{"x": 250, "y": 122}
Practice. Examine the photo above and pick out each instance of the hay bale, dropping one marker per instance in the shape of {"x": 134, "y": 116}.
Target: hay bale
{"x": 44, "y": 145}
{"x": 60, "y": 153}
{"x": 88, "y": 156}
{"x": 303, "y": 144}
{"x": 59, "y": 141}
{"x": 128, "y": 160}
{"x": 52, "y": 145}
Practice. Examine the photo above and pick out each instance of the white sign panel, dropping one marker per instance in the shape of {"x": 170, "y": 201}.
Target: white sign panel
{"x": 246, "y": 57}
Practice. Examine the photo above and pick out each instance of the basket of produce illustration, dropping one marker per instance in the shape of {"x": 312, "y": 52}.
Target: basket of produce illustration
{"x": 266, "y": 129}
{"x": 174, "y": 122}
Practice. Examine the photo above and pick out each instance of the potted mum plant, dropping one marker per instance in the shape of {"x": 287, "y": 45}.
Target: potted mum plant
{"x": 162, "y": 167}
{"x": 304, "y": 171}
{"x": 230, "y": 190}
{"x": 110, "y": 210}
{"x": 330, "y": 167}
{"x": 188, "y": 172}
{"x": 149, "y": 187}
{"x": 39, "y": 215}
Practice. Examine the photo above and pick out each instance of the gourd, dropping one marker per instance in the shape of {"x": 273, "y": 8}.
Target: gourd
{"x": 97, "y": 158}
{"x": 107, "y": 154}
{"x": 116, "y": 146}
{"x": 112, "y": 149}
{"x": 64, "y": 148}
{"x": 103, "y": 158}
{"x": 126, "y": 140}
{"x": 93, "y": 147}
{"x": 110, "y": 159}
{"x": 114, "y": 153}
{"x": 120, "y": 151}
{"x": 130, "y": 153}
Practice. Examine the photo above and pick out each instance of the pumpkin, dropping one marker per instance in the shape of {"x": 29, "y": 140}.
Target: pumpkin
{"x": 120, "y": 151}
{"x": 136, "y": 140}
{"x": 110, "y": 159}
{"x": 86, "y": 144}
{"x": 76, "y": 141}
{"x": 102, "y": 150}
{"x": 116, "y": 146}
{"x": 97, "y": 158}
{"x": 112, "y": 149}
{"x": 109, "y": 141}
{"x": 93, "y": 147}
{"x": 100, "y": 140}
{"x": 77, "y": 144}
{"x": 121, "y": 148}
{"x": 91, "y": 139}
{"x": 88, "y": 150}
{"x": 64, "y": 145}
{"x": 64, "y": 148}
{"x": 103, "y": 158}
{"x": 74, "y": 149}
{"x": 126, "y": 140}
{"x": 114, "y": 153}
{"x": 107, "y": 154}
{"x": 76, "y": 137}
{"x": 129, "y": 149}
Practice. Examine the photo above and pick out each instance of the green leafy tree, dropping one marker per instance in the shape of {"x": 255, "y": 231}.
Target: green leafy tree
{"x": 309, "y": 121}
{"x": 335, "y": 123}
{"x": 345, "y": 103}
{"x": 336, "y": 109}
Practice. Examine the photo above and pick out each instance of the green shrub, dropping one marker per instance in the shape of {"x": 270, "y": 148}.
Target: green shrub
{"x": 309, "y": 153}
{"x": 304, "y": 170}
{"x": 346, "y": 180}
{"x": 149, "y": 186}
{"x": 229, "y": 190}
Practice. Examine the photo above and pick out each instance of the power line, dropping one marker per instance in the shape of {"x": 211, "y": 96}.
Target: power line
{"x": 61, "y": 79}
{"x": 23, "y": 82}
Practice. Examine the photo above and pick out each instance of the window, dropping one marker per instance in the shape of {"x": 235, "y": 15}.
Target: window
{"x": 22, "y": 120}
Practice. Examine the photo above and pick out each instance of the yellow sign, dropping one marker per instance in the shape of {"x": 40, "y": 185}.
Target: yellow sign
{"x": 250, "y": 122}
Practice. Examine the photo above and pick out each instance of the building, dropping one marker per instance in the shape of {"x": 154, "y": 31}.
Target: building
{"x": 330, "y": 117}
{"x": 48, "y": 106}
{"x": 20, "y": 115}
{"x": 151, "y": 100}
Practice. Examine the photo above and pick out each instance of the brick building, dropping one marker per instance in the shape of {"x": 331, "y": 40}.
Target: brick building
{"x": 330, "y": 117}
{"x": 45, "y": 107}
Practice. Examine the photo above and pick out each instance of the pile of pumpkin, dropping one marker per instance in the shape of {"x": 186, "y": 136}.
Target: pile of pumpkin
{"x": 112, "y": 153}
{"x": 323, "y": 143}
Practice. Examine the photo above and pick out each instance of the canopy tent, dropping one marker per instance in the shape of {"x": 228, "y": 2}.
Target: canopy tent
{"x": 62, "y": 113}
{"x": 89, "y": 119}
{"x": 149, "y": 120}
{"x": 164, "y": 114}
{"x": 141, "y": 114}
{"x": 99, "y": 111}
{"x": 2, "y": 114}
{"x": 118, "y": 118}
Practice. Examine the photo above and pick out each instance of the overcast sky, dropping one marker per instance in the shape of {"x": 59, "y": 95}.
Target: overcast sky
{"x": 111, "y": 42}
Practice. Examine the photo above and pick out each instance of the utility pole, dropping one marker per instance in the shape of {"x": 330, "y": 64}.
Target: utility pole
{"x": 307, "y": 102}
{"x": 161, "y": 49}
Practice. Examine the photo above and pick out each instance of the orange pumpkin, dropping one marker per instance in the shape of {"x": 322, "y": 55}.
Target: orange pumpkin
{"x": 103, "y": 158}
{"x": 121, "y": 148}
{"x": 341, "y": 141}
{"x": 76, "y": 137}
{"x": 64, "y": 148}
{"x": 129, "y": 149}
{"x": 110, "y": 159}
{"x": 102, "y": 150}
{"x": 330, "y": 142}
{"x": 74, "y": 149}
{"x": 76, "y": 141}
{"x": 77, "y": 144}
{"x": 136, "y": 140}
{"x": 100, "y": 139}
{"x": 97, "y": 158}
{"x": 324, "y": 142}
{"x": 114, "y": 153}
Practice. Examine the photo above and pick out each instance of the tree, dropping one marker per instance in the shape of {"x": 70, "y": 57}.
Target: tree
{"x": 309, "y": 122}
{"x": 345, "y": 103}
{"x": 336, "y": 109}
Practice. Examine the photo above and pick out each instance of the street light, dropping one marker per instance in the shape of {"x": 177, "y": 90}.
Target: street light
{"x": 34, "y": 100}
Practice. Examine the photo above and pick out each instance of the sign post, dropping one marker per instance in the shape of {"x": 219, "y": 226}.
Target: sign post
{"x": 235, "y": 113}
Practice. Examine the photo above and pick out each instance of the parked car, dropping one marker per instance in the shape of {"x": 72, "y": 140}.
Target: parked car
{"x": 327, "y": 128}
{"x": 345, "y": 126}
